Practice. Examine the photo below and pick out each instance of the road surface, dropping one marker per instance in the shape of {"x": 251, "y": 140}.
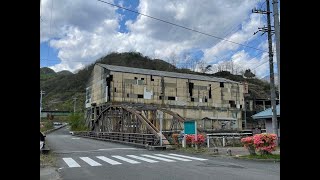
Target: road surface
{"x": 82, "y": 159}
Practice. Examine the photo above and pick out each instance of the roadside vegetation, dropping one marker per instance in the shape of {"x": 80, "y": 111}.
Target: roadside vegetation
{"x": 77, "y": 122}
{"x": 47, "y": 160}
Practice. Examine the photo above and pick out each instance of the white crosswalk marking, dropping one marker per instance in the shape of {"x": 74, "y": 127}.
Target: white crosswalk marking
{"x": 181, "y": 159}
{"x": 200, "y": 159}
{"x": 70, "y": 162}
{"x": 90, "y": 161}
{"x": 110, "y": 161}
{"x": 126, "y": 159}
{"x": 159, "y": 158}
{"x": 143, "y": 159}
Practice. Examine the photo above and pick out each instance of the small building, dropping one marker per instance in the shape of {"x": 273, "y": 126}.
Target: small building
{"x": 266, "y": 117}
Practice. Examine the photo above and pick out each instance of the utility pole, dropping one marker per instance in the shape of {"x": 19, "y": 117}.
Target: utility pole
{"x": 41, "y": 93}
{"x": 272, "y": 88}
{"x": 74, "y": 105}
{"x": 277, "y": 37}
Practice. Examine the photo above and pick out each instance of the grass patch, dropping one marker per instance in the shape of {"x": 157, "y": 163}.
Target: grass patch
{"x": 264, "y": 156}
{"x": 47, "y": 125}
{"x": 47, "y": 160}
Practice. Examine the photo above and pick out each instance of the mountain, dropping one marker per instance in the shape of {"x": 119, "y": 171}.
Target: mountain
{"x": 62, "y": 87}
{"x": 64, "y": 72}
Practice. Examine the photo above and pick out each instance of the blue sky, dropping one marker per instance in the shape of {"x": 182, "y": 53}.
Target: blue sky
{"x": 79, "y": 32}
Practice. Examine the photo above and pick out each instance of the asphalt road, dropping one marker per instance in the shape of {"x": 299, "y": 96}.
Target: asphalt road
{"x": 82, "y": 158}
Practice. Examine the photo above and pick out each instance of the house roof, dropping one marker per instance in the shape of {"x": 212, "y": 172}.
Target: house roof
{"x": 266, "y": 113}
{"x": 163, "y": 73}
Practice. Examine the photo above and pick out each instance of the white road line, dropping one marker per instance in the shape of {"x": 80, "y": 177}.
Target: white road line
{"x": 143, "y": 159}
{"x": 181, "y": 159}
{"x": 70, "y": 162}
{"x": 189, "y": 157}
{"x": 159, "y": 158}
{"x": 90, "y": 161}
{"x": 126, "y": 159}
{"x": 110, "y": 161}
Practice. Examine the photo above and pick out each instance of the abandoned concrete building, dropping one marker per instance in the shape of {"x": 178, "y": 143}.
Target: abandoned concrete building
{"x": 216, "y": 103}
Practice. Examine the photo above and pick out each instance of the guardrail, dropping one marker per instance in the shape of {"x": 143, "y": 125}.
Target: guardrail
{"x": 136, "y": 139}
{"x": 51, "y": 130}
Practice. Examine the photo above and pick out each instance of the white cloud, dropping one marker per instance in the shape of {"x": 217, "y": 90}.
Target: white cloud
{"x": 86, "y": 30}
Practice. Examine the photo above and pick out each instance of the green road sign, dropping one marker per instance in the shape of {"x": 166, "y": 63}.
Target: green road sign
{"x": 190, "y": 127}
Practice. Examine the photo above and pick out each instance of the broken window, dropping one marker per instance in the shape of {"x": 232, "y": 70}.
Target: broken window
{"x": 192, "y": 99}
{"x": 115, "y": 89}
{"x": 171, "y": 98}
{"x": 190, "y": 88}
{"x": 221, "y": 84}
{"x": 160, "y": 97}
{"x": 140, "y": 95}
{"x": 151, "y": 78}
{"x": 232, "y": 104}
{"x": 210, "y": 95}
{"x": 127, "y": 94}
{"x": 135, "y": 78}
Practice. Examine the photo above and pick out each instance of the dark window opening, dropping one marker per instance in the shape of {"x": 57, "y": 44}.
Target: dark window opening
{"x": 160, "y": 97}
{"x": 152, "y": 78}
{"x": 210, "y": 95}
{"x": 232, "y": 103}
{"x": 171, "y": 98}
{"x": 192, "y": 99}
{"x": 140, "y": 95}
{"x": 111, "y": 77}
{"x": 190, "y": 88}
{"x": 221, "y": 84}
{"x": 205, "y": 100}
{"x": 115, "y": 89}
{"x": 240, "y": 106}
{"x": 209, "y": 85}
{"x": 142, "y": 78}
{"x": 135, "y": 78}
{"x": 127, "y": 94}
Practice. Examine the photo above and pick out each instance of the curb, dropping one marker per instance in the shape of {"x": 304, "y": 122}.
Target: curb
{"x": 265, "y": 160}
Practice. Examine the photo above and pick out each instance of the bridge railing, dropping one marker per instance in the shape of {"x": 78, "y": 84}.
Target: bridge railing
{"x": 127, "y": 138}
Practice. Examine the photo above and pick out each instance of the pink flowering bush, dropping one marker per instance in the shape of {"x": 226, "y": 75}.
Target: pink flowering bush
{"x": 247, "y": 142}
{"x": 190, "y": 139}
{"x": 265, "y": 143}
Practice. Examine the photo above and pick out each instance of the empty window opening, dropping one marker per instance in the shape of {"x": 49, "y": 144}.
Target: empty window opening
{"x": 240, "y": 106}
{"x": 171, "y": 98}
{"x": 221, "y": 84}
{"x": 192, "y": 99}
{"x": 142, "y": 78}
{"x": 115, "y": 89}
{"x": 232, "y": 103}
{"x": 127, "y": 94}
{"x": 205, "y": 100}
{"x": 190, "y": 88}
{"x": 140, "y": 95}
{"x": 151, "y": 78}
{"x": 210, "y": 95}
{"x": 135, "y": 78}
{"x": 160, "y": 97}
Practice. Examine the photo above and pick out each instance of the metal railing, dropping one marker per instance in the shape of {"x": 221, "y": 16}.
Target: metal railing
{"x": 225, "y": 139}
{"x": 127, "y": 138}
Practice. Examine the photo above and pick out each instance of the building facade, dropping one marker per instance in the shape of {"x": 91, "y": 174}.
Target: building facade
{"x": 193, "y": 97}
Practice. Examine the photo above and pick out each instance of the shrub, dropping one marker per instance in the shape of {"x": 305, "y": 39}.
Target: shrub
{"x": 190, "y": 139}
{"x": 175, "y": 139}
{"x": 77, "y": 122}
{"x": 248, "y": 142}
{"x": 265, "y": 143}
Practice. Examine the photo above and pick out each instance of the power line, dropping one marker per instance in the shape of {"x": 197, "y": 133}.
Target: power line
{"x": 179, "y": 25}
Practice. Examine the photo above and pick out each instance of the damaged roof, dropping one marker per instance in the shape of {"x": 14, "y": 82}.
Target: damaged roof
{"x": 163, "y": 73}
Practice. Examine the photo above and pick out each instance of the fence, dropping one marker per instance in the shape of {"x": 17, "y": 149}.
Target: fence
{"x": 126, "y": 138}
{"x": 225, "y": 139}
